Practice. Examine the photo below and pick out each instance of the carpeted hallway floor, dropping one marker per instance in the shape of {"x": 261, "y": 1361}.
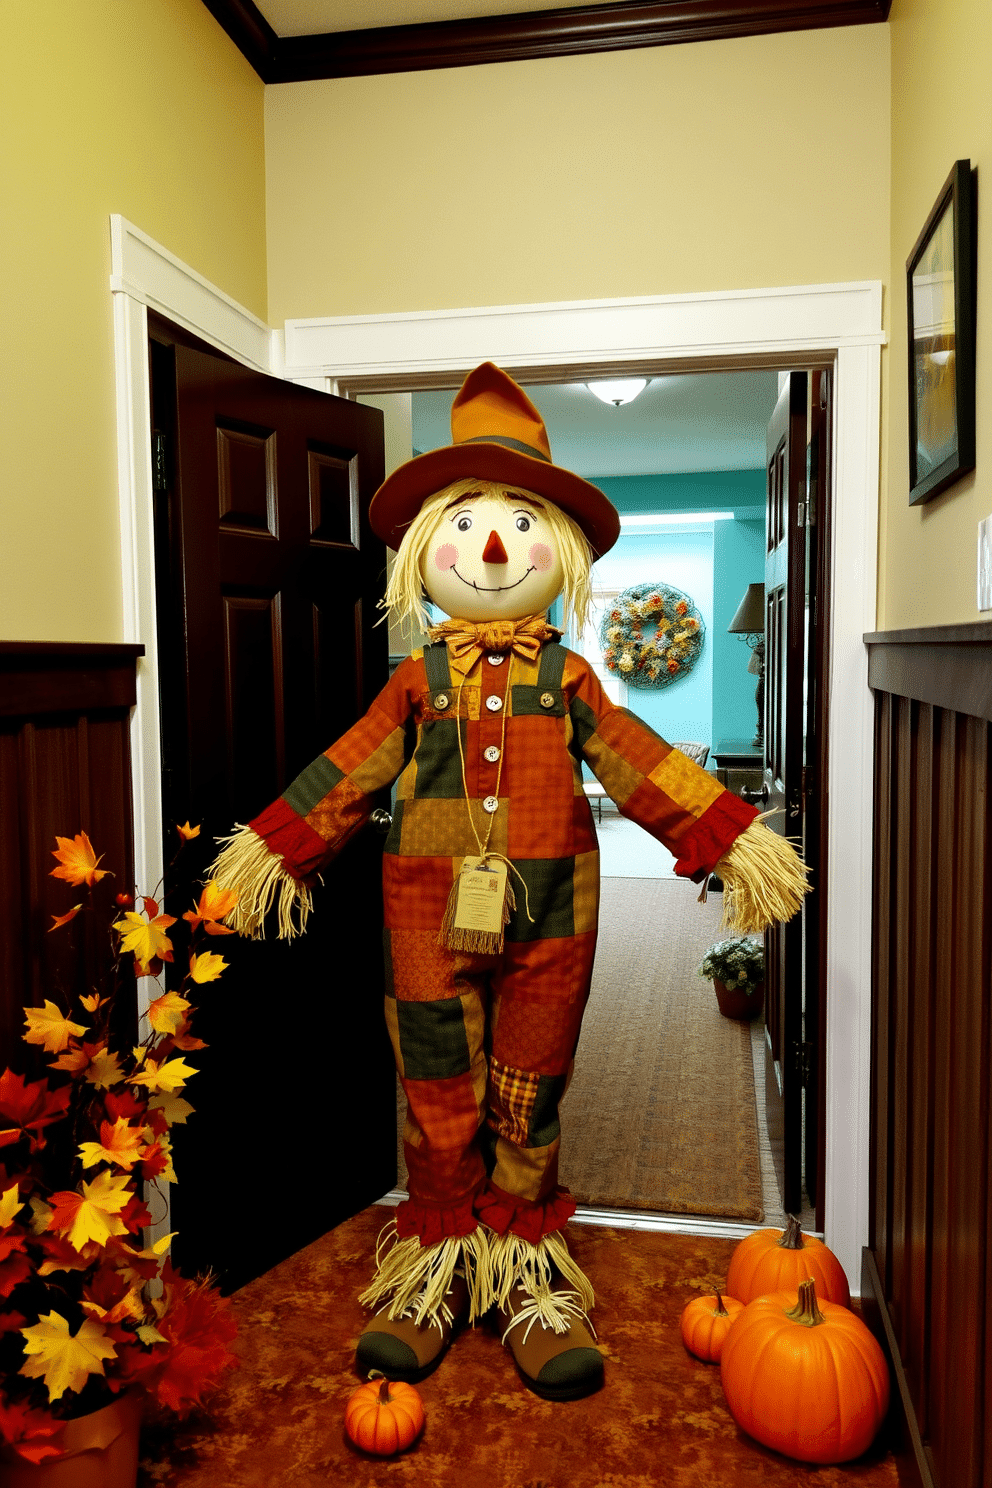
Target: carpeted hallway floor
{"x": 661, "y": 1419}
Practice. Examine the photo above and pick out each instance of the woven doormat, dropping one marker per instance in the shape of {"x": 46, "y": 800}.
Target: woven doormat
{"x": 661, "y": 1110}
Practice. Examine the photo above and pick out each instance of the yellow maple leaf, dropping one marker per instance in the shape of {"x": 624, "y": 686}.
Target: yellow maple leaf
{"x": 77, "y": 860}
{"x": 150, "y": 1334}
{"x": 10, "y": 1204}
{"x": 93, "y": 1002}
{"x": 62, "y": 1360}
{"x": 104, "y": 1069}
{"x": 173, "y": 1107}
{"x": 120, "y": 1143}
{"x": 165, "y": 1014}
{"x": 93, "y": 1215}
{"x": 144, "y": 938}
{"x": 41, "y": 1214}
{"x": 50, "y": 1028}
{"x": 171, "y": 1075}
{"x": 206, "y": 967}
{"x": 186, "y": 832}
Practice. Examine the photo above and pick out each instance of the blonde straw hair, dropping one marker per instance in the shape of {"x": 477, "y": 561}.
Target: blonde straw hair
{"x": 405, "y": 596}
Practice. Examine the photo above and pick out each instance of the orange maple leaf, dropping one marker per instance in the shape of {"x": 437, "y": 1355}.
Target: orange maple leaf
{"x": 166, "y": 1013}
{"x": 187, "y": 833}
{"x": 92, "y": 1215}
{"x": 49, "y": 1027}
{"x": 120, "y": 1143}
{"x": 59, "y": 920}
{"x": 214, "y": 904}
{"x": 77, "y": 860}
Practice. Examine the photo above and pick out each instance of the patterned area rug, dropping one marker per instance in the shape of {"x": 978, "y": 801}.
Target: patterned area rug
{"x": 661, "y": 1417}
{"x": 661, "y": 1111}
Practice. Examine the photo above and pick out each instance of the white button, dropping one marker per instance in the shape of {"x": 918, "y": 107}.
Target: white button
{"x": 494, "y": 703}
{"x": 490, "y": 804}
{"x": 495, "y": 660}
{"x": 492, "y": 753}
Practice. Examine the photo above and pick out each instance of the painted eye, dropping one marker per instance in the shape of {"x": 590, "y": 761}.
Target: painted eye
{"x": 464, "y": 523}
{"x": 523, "y": 524}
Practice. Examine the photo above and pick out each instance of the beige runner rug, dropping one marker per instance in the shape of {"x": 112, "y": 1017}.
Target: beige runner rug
{"x": 661, "y": 1110}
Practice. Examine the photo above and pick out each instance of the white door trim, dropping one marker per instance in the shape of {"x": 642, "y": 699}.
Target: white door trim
{"x": 795, "y": 324}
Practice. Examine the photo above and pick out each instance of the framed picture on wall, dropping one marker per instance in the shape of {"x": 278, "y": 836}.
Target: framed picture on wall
{"x": 940, "y": 288}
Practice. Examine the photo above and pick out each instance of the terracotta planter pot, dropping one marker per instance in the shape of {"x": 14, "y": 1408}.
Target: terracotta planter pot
{"x": 101, "y": 1451}
{"x": 734, "y": 1002}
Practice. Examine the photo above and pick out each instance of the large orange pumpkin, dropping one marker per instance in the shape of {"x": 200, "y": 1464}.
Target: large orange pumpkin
{"x": 778, "y": 1260}
{"x": 384, "y": 1416}
{"x": 805, "y": 1377}
{"x": 705, "y": 1323}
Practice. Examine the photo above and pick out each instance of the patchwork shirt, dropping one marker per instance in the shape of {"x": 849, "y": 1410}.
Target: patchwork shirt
{"x": 499, "y": 747}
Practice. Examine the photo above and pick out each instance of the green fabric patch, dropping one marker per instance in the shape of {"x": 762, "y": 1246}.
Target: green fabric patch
{"x": 583, "y": 724}
{"x": 312, "y": 785}
{"x": 549, "y": 893}
{"x": 433, "y": 1040}
{"x": 392, "y": 843}
{"x": 544, "y": 1126}
{"x": 436, "y": 666}
{"x": 439, "y": 765}
{"x": 527, "y": 701}
{"x": 552, "y": 667}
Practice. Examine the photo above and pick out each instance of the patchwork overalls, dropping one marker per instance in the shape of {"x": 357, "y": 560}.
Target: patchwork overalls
{"x": 484, "y": 1044}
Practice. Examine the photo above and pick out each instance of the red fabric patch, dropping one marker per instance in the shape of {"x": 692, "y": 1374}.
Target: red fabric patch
{"x": 288, "y": 836}
{"x": 504, "y": 1212}
{"x": 716, "y": 830}
{"x": 434, "y": 1223}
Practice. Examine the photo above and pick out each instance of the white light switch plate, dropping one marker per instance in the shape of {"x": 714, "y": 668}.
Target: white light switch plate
{"x": 985, "y": 564}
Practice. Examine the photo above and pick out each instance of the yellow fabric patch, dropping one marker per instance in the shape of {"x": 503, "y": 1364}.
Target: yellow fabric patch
{"x": 686, "y": 783}
{"x": 382, "y": 766}
{"x": 585, "y": 892}
{"x": 619, "y": 778}
{"x": 440, "y": 828}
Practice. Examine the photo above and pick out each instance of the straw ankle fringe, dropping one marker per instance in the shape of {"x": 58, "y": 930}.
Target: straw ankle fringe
{"x": 259, "y": 879}
{"x": 764, "y": 879}
{"x": 414, "y": 1280}
{"x": 517, "y": 1263}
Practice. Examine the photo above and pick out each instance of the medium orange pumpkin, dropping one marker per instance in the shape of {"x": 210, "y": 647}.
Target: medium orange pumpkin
{"x": 805, "y": 1377}
{"x": 384, "y": 1416}
{"x": 778, "y": 1260}
{"x": 705, "y": 1323}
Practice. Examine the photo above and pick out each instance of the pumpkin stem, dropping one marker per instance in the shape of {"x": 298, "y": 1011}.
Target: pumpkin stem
{"x": 719, "y": 1310}
{"x": 792, "y": 1235}
{"x": 384, "y": 1395}
{"x": 806, "y": 1310}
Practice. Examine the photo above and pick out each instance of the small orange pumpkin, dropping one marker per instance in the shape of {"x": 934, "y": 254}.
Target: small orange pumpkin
{"x": 778, "y": 1260}
{"x": 805, "y": 1378}
{"x": 384, "y": 1416}
{"x": 705, "y": 1323}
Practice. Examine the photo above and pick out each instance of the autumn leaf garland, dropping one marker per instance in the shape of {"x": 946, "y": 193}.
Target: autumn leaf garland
{"x": 77, "y": 1314}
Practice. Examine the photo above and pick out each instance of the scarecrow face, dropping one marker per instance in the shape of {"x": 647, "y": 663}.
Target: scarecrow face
{"x": 486, "y": 560}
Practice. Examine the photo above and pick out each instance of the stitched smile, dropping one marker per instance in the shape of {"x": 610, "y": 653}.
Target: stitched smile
{"x": 498, "y": 589}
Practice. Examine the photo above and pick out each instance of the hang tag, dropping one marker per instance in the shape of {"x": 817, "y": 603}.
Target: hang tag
{"x": 481, "y": 896}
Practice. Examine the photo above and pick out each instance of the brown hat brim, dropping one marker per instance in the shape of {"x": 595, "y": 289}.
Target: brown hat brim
{"x": 402, "y": 494}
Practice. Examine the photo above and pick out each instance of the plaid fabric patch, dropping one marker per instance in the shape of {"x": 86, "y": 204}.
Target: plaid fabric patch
{"x": 511, "y": 1097}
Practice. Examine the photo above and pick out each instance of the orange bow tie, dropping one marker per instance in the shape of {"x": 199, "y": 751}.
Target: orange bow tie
{"x": 468, "y": 639}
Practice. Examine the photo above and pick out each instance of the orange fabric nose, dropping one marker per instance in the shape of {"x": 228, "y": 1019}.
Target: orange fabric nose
{"x": 494, "y": 551}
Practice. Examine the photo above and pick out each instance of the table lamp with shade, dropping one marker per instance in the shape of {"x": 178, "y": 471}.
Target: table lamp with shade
{"x": 749, "y": 622}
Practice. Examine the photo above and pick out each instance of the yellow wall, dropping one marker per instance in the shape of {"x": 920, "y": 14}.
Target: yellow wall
{"x": 146, "y": 109}
{"x": 745, "y": 163}
{"x": 941, "y": 51}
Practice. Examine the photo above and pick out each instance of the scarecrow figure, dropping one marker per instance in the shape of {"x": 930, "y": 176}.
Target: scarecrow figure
{"x": 491, "y": 879}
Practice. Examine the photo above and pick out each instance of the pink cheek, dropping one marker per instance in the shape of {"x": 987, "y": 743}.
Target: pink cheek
{"x": 541, "y": 557}
{"x": 446, "y": 557}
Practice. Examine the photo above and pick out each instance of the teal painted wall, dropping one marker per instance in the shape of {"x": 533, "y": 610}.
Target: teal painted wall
{"x": 736, "y": 559}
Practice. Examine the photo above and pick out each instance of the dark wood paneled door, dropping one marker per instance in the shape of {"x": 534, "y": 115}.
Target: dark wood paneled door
{"x": 268, "y": 576}
{"x": 785, "y": 636}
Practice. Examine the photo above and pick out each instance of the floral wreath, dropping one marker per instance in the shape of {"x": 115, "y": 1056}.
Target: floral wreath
{"x": 666, "y": 656}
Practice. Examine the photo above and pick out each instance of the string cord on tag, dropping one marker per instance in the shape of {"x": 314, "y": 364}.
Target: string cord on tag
{"x": 483, "y": 847}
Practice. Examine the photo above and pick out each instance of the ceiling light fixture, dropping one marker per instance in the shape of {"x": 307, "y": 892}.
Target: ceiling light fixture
{"x": 619, "y": 390}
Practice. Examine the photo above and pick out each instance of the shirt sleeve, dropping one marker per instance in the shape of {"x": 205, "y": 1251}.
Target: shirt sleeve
{"x": 653, "y": 783}
{"x": 334, "y": 796}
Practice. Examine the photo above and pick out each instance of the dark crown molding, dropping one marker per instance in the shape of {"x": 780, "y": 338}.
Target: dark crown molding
{"x": 516, "y": 38}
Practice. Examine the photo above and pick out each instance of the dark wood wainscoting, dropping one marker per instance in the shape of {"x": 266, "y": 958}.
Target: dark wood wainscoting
{"x": 928, "y": 1268}
{"x": 65, "y": 767}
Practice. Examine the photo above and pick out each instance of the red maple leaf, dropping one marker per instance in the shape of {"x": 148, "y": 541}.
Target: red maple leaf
{"x": 135, "y": 1215}
{"x": 154, "y": 1161}
{"x": 199, "y": 1326}
{"x": 33, "y": 1434}
{"x": 30, "y": 1105}
{"x": 13, "y": 1271}
{"x": 126, "y": 1104}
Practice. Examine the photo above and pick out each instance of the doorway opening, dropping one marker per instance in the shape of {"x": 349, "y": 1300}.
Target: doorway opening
{"x": 687, "y": 467}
